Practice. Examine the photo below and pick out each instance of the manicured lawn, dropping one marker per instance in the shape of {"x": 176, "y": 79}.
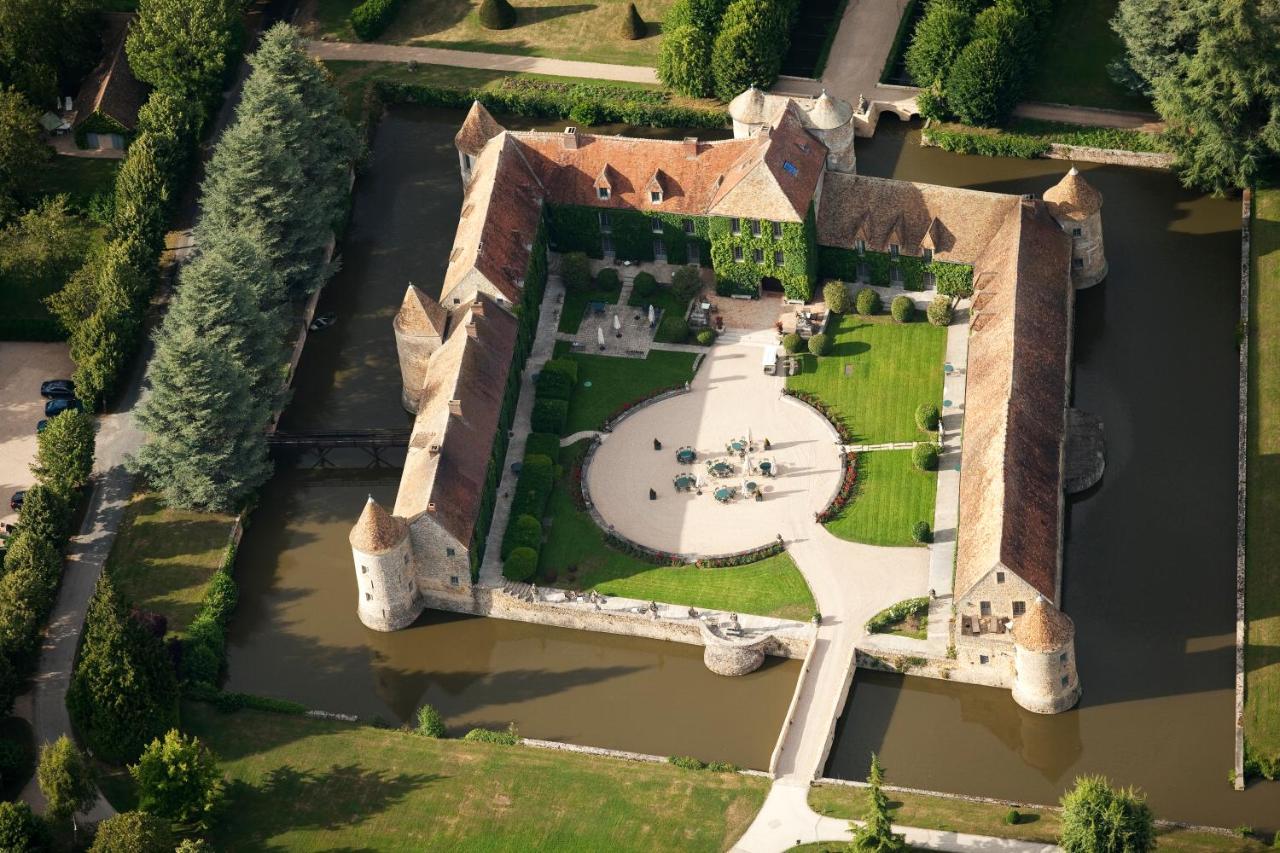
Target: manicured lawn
{"x": 770, "y": 587}
{"x": 876, "y": 375}
{"x": 575, "y": 305}
{"x": 1040, "y": 825}
{"x": 1262, "y": 594}
{"x": 302, "y": 784}
{"x": 617, "y": 381}
{"x": 162, "y": 558}
{"x": 892, "y": 495}
{"x": 1071, "y": 65}
{"x": 585, "y": 31}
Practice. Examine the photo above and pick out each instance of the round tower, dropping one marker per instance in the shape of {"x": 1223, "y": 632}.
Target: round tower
{"x": 388, "y": 598}
{"x": 1044, "y": 659}
{"x": 1077, "y": 207}
{"x": 831, "y": 120}
{"x": 748, "y": 112}
{"x": 419, "y": 327}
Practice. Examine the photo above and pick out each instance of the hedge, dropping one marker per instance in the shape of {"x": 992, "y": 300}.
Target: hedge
{"x": 902, "y": 309}
{"x": 509, "y": 737}
{"x": 371, "y": 17}
{"x": 925, "y": 456}
{"x": 868, "y": 302}
{"x": 204, "y": 646}
{"x": 987, "y": 144}
{"x": 543, "y": 444}
{"x": 890, "y": 616}
{"x": 820, "y": 344}
{"x": 553, "y": 386}
{"x": 549, "y": 415}
{"x": 566, "y": 366}
{"x": 644, "y": 285}
{"x": 520, "y": 564}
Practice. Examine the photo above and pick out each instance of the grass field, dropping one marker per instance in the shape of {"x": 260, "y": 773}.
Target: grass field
{"x": 616, "y": 381}
{"x": 876, "y": 375}
{"x": 301, "y": 784}
{"x": 162, "y": 558}
{"x": 1262, "y": 594}
{"x": 892, "y": 495}
{"x": 1071, "y": 65}
{"x": 78, "y": 177}
{"x": 584, "y": 31}
{"x": 1041, "y": 825}
{"x": 771, "y": 587}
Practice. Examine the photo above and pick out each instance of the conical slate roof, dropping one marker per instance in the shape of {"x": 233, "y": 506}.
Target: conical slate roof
{"x": 748, "y": 107}
{"x": 829, "y": 113}
{"x": 377, "y": 531}
{"x": 477, "y": 128}
{"x": 419, "y": 314}
{"x": 1074, "y": 196}
{"x": 1043, "y": 628}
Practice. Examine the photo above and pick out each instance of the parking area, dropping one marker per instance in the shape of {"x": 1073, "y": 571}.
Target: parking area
{"x": 23, "y": 366}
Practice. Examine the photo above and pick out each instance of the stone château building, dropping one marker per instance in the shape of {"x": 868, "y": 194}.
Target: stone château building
{"x": 778, "y": 205}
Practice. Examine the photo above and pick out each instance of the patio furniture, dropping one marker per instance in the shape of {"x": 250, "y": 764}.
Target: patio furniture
{"x": 719, "y": 468}
{"x": 724, "y": 494}
{"x": 766, "y": 467}
{"x": 686, "y": 456}
{"x": 683, "y": 482}
{"x": 752, "y": 487}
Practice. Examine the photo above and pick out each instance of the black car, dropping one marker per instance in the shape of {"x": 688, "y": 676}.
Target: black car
{"x": 323, "y": 322}
{"x": 15, "y": 502}
{"x": 58, "y": 389}
{"x": 42, "y": 425}
{"x": 58, "y": 405}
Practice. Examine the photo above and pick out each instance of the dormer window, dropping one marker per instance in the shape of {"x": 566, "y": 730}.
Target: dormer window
{"x": 893, "y": 250}
{"x": 655, "y": 196}
{"x": 602, "y": 192}
{"x": 654, "y": 187}
{"x": 604, "y": 187}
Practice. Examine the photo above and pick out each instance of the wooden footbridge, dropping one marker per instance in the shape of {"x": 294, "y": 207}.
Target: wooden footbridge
{"x": 378, "y": 444}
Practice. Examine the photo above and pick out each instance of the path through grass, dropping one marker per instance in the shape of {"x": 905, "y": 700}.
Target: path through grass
{"x": 892, "y": 495}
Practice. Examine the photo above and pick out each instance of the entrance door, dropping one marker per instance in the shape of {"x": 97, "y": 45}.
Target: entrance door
{"x": 770, "y": 284}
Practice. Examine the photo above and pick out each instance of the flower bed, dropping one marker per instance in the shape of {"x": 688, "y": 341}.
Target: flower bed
{"x": 849, "y": 462}
{"x": 814, "y": 402}
{"x": 891, "y": 616}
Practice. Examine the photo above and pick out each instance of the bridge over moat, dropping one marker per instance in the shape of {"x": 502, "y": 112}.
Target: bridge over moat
{"x": 379, "y": 445}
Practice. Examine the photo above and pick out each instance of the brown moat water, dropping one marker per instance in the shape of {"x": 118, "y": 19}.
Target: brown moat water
{"x": 1150, "y": 551}
{"x": 295, "y": 634}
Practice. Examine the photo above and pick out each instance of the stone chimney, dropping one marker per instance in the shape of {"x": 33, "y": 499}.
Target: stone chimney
{"x": 477, "y": 308}
{"x": 690, "y": 146}
{"x": 455, "y": 408}
{"x": 570, "y": 138}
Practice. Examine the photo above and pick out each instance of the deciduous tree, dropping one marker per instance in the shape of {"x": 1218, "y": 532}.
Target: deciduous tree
{"x": 1097, "y": 818}
{"x": 21, "y": 148}
{"x": 749, "y": 47}
{"x": 938, "y": 39}
{"x": 981, "y": 86}
{"x": 684, "y": 61}
{"x": 178, "y": 779}
{"x": 64, "y": 452}
{"x": 133, "y": 832}
{"x": 65, "y": 779}
{"x": 182, "y": 46}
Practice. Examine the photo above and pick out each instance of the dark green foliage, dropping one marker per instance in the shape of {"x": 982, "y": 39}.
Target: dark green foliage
{"x": 897, "y": 613}
{"x": 533, "y": 489}
{"x": 182, "y": 46}
{"x": 706, "y": 337}
{"x": 64, "y": 453}
{"x": 955, "y": 280}
{"x": 123, "y": 693}
{"x": 177, "y": 779}
{"x": 836, "y": 295}
{"x": 902, "y": 309}
{"x": 749, "y": 46}
{"x": 45, "y": 515}
{"x": 203, "y": 647}
{"x": 103, "y": 343}
{"x": 509, "y": 737}
{"x": 684, "y": 60}
{"x": 673, "y": 330}
{"x": 876, "y": 835}
{"x": 927, "y": 417}
{"x": 553, "y": 386}
{"x": 1011, "y": 817}
{"x": 940, "y": 311}
{"x": 607, "y": 279}
{"x": 565, "y": 366}
{"x": 66, "y": 780}
{"x": 22, "y": 148}
{"x": 42, "y": 42}
{"x": 21, "y": 831}
{"x": 644, "y": 285}
{"x": 371, "y": 17}
{"x": 543, "y": 444}
{"x": 1156, "y": 35}
{"x": 549, "y": 415}
{"x": 921, "y": 533}
{"x": 686, "y": 282}
{"x": 868, "y": 302}
{"x": 133, "y": 832}
{"x": 925, "y": 456}
{"x": 1097, "y": 818}
{"x": 792, "y": 343}
{"x": 520, "y": 564}
{"x": 38, "y": 251}
{"x": 142, "y": 196}
{"x": 820, "y": 344}
{"x": 633, "y": 26}
{"x": 938, "y": 39}
{"x": 575, "y": 271}
{"x": 496, "y": 14}
{"x": 430, "y": 723}
{"x": 1009, "y": 26}
{"x": 32, "y": 569}
{"x": 982, "y": 87}
{"x": 526, "y": 532}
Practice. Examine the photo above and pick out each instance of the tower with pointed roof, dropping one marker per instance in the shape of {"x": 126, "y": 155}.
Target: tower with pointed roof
{"x": 1077, "y": 207}
{"x": 827, "y": 118}
{"x": 1044, "y": 659}
{"x": 419, "y": 328}
{"x": 477, "y": 129}
{"x": 389, "y": 598}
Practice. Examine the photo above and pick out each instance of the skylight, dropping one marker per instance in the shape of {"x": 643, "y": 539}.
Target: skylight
{"x": 790, "y": 168}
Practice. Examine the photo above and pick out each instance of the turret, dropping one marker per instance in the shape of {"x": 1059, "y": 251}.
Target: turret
{"x": 419, "y": 326}
{"x": 1077, "y": 207}
{"x": 1044, "y": 659}
{"x": 831, "y": 120}
{"x": 388, "y": 597}
{"x": 749, "y": 112}
{"x": 477, "y": 129}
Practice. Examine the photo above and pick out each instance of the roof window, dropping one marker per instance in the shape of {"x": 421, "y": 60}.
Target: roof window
{"x": 790, "y": 168}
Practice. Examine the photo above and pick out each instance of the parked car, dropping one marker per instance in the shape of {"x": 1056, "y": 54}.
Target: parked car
{"x": 322, "y": 322}
{"x": 15, "y": 502}
{"x": 58, "y": 405}
{"x": 58, "y": 388}
{"x": 41, "y": 425}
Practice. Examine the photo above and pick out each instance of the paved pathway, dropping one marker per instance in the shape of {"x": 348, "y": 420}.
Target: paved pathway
{"x": 570, "y": 440}
{"x": 1147, "y": 122}
{"x": 489, "y": 61}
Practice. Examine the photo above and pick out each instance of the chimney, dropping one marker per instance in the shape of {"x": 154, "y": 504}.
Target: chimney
{"x": 455, "y": 407}
{"x": 431, "y": 507}
{"x": 570, "y": 138}
{"x": 690, "y": 146}
{"x": 473, "y": 331}
{"x": 477, "y": 308}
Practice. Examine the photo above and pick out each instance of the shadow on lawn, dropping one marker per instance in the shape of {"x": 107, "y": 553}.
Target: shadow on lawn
{"x": 529, "y": 15}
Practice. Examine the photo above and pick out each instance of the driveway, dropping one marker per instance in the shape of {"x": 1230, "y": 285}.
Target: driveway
{"x": 23, "y": 367}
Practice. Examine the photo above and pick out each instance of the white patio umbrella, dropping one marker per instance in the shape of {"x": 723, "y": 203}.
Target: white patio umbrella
{"x": 650, "y": 315}
{"x": 617, "y": 323}
{"x": 600, "y": 335}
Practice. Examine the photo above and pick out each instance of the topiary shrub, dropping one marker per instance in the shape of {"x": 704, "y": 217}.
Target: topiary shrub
{"x": 520, "y": 564}
{"x": 575, "y": 271}
{"x": 921, "y": 532}
{"x": 836, "y": 295}
{"x": 673, "y": 330}
{"x": 553, "y": 386}
{"x": 607, "y": 278}
{"x": 537, "y": 475}
{"x": 868, "y": 302}
{"x": 430, "y": 723}
{"x": 940, "y": 311}
{"x": 902, "y": 308}
{"x": 1012, "y": 817}
{"x": 496, "y": 15}
{"x": 526, "y": 532}
{"x": 549, "y": 416}
{"x": 686, "y": 282}
{"x": 633, "y": 26}
{"x": 820, "y": 344}
{"x": 371, "y": 17}
{"x": 706, "y": 337}
{"x": 927, "y": 417}
{"x": 567, "y": 366}
{"x": 543, "y": 444}
{"x": 645, "y": 285}
{"x": 792, "y": 343}
{"x": 925, "y": 456}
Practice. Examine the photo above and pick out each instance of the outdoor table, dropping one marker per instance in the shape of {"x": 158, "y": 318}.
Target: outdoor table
{"x": 766, "y": 467}
{"x": 723, "y": 494}
{"x": 721, "y": 469}
{"x": 737, "y": 446}
{"x": 684, "y": 482}
{"x": 686, "y": 455}
{"x": 751, "y": 486}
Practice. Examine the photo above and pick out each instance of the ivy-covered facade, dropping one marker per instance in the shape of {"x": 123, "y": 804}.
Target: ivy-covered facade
{"x": 886, "y": 269}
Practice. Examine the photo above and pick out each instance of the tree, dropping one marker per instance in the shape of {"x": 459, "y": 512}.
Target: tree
{"x": 749, "y": 47}
{"x": 22, "y": 149}
{"x": 686, "y": 282}
{"x": 43, "y": 244}
{"x": 103, "y": 341}
{"x": 64, "y": 452}
{"x": 633, "y": 26}
{"x": 836, "y": 296}
{"x": 819, "y": 344}
{"x": 1009, "y": 26}
{"x": 684, "y": 61}
{"x": 45, "y": 514}
{"x": 496, "y": 14}
{"x": 981, "y": 88}
{"x": 66, "y": 780}
{"x": 1155, "y": 33}
{"x": 575, "y": 271}
{"x": 178, "y": 779}
{"x": 142, "y": 196}
{"x": 520, "y": 564}
{"x": 1221, "y": 103}
{"x": 430, "y": 723}
{"x": 1096, "y": 818}
{"x": 174, "y": 125}
{"x": 940, "y": 311}
{"x": 876, "y": 835}
{"x": 182, "y": 46}
{"x": 44, "y": 40}
{"x": 133, "y": 832}
{"x": 704, "y": 15}
{"x": 123, "y": 692}
{"x": 21, "y": 831}
{"x": 938, "y": 39}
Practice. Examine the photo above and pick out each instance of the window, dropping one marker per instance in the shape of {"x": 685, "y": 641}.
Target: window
{"x": 927, "y": 256}
{"x": 983, "y": 659}
{"x": 1077, "y": 263}
{"x": 893, "y": 250}
{"x": 364, "y": 570}
{"x": 777, "y": 230}
{"x": 1076, "y": 232}
{"x": 737, "y": 254}
{"x": 790, "y": 168}
{"x": 688, "y": 226}
{"x": 895, "y": 274}
{"x": 1062, "y": 658}
{"x": 448, "y": 552}
{"x": 453, "y": 580}
{"x": 777, "y": 259}
{"x": 755, "y": 228}
{"x": 1019, "y": 607}
{"x": 861, "y": 246}
{"x": 735, "y": 227}
{"x": 1065, "y": 679}
{"x": 999, "y": 577}
{"x": 606, "y": 221}
{"x": 655, "y": 196}
{"x": 659, "y": 251}
{"x": 602, "y": 192}
{"x": 984, "y": 608}
{"x": 864, "y": 272}
{"x": 656, "y": 226}
{"x": 930, "y": 280}
{"x": 758, "y": 256}
{"x": 694, "y": 256}
{"x": 606, "y": 244}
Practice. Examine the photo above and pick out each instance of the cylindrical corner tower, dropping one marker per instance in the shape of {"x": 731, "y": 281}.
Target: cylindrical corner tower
{"x": 1044, "y": 659}
{"x": 748, "y": 112}
{"x": 419, "y": 327}
{"x": 388, "y": 598}
{"x": 831, "y": 120}
{"x": 1077, "y": 207}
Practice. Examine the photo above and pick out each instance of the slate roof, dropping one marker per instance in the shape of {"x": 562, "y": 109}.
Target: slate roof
{"x": 111, "y": 89}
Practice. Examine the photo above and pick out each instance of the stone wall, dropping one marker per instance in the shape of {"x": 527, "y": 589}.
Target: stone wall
{"x": 928, "y": 664}
{"x": 1241, "y": 472}
{"x": 1111, "y": 156}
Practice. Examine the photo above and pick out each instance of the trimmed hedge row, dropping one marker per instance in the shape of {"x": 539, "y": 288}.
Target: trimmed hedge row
{"x": 845, "y": 494}
{"x": 204, "y": 647}
{"x": 988, "y": 144}
{"x": 371, "y": 17}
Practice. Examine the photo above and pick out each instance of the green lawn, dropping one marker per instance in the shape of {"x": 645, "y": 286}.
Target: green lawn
{"x": 770, "y": 587}
{"x": 876, "y": 375}
{"x": 1071, "y": 65}
{"x": 575, "y": 305}
{"x": 163, "y": 558}
{"x": 890, "y": 497}
{"x": 1262, "y": 594}
{"x": 616, "y": 381}
{"x": 1037, "y": 825}
{"x": 302, "y": 784}
{"x": 584, "y": 31}
{"x": 78, "y": 177}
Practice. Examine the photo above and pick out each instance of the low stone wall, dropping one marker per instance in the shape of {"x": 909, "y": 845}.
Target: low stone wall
{"x": 1111, "y": 156}
{"x": 1242, "y": 450}
{"x": 789, "y": 720}
{"x": 926, "y": 665}
{"x": 601, "y": 752}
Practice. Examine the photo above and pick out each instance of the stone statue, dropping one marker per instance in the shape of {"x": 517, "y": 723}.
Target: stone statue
{"x": 653, "y": 496}
{"x": 657, "y": 445}
{"x": 693, "y": 613}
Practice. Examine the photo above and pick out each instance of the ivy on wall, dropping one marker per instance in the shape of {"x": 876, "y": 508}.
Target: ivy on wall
{"x": 843, "y": 264}
{"x": 576, "y": 228}
{"x": 799, "y": 258}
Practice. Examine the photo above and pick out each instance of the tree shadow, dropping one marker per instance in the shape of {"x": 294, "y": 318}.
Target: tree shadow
{"x": 530, "y": 15}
